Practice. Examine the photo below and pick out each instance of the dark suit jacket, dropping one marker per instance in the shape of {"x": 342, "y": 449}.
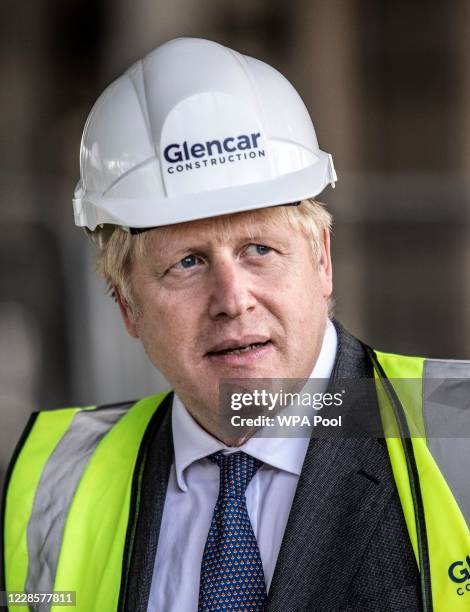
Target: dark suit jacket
{"x": 345, "y": 547}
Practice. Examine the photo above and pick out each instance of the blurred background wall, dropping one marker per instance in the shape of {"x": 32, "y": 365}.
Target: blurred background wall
{"x": 388, "y": 86}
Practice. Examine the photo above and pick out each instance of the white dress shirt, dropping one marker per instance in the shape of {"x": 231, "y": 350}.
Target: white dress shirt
{"x": 193, "y": 489}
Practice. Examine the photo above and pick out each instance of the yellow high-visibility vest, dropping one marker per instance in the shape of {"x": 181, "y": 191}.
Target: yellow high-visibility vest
{"x": 71, "y": 494}
{"x": 430, "y": 471}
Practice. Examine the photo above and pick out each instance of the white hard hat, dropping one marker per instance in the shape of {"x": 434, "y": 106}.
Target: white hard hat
{"x": 196, "y": 130}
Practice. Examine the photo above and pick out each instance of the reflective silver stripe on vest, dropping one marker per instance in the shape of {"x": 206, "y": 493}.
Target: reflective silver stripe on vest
{"x": 55, "y": 491}
{"x": 446, "y": 412}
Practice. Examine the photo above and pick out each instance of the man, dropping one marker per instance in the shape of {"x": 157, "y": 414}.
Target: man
{"x": 199, "y": 169}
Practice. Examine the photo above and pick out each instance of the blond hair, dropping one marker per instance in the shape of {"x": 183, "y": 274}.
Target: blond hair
{"x": 118, "y": 249}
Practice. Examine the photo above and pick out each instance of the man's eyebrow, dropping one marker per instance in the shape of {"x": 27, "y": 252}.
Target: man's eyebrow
{"x": 168, "y": 250}
{"x": 165, "y": 243}
{"x": 198, "y": 246}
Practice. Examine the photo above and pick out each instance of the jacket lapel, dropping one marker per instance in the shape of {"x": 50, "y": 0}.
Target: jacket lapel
{"x": 157, "y": 461}
{"x": 343, "y": 489}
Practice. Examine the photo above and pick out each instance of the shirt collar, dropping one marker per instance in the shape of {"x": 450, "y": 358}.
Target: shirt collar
{"x": 191, "y": 442}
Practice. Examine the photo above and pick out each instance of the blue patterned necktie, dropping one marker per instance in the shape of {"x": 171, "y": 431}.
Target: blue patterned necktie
{"x": 232, "y": 575}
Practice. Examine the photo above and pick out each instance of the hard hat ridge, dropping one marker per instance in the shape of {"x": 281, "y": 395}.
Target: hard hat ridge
{"x": 195, "y": 130}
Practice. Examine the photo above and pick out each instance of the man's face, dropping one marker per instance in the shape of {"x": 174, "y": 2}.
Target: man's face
{"x": 239, "y": 296}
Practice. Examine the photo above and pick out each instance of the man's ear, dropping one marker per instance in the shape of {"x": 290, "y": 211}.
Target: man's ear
{"x": 127, "y": 313}
{"x": 325, "y": 267}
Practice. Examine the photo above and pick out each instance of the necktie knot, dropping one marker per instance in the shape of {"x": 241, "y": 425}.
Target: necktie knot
{"x": 236, "y": 472}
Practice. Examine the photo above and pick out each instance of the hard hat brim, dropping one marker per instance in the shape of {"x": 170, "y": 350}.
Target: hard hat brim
{"x": 92, "y": 210}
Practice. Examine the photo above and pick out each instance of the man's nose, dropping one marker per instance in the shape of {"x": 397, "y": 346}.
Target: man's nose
{"x": 230, "y": 293}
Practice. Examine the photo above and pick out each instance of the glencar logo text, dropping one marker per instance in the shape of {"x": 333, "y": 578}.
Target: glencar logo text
{"x": 459, "y": 572}
{"x": 212, "y": 152}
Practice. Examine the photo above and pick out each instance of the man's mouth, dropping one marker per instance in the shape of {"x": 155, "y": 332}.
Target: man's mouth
{"x": 237, "y": 350}
{"x": 238, "y": 346}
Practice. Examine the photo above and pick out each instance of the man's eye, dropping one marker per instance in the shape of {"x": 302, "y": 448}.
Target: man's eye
{"x": 187, "y": 262}
{"x": 258, "y": 249}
